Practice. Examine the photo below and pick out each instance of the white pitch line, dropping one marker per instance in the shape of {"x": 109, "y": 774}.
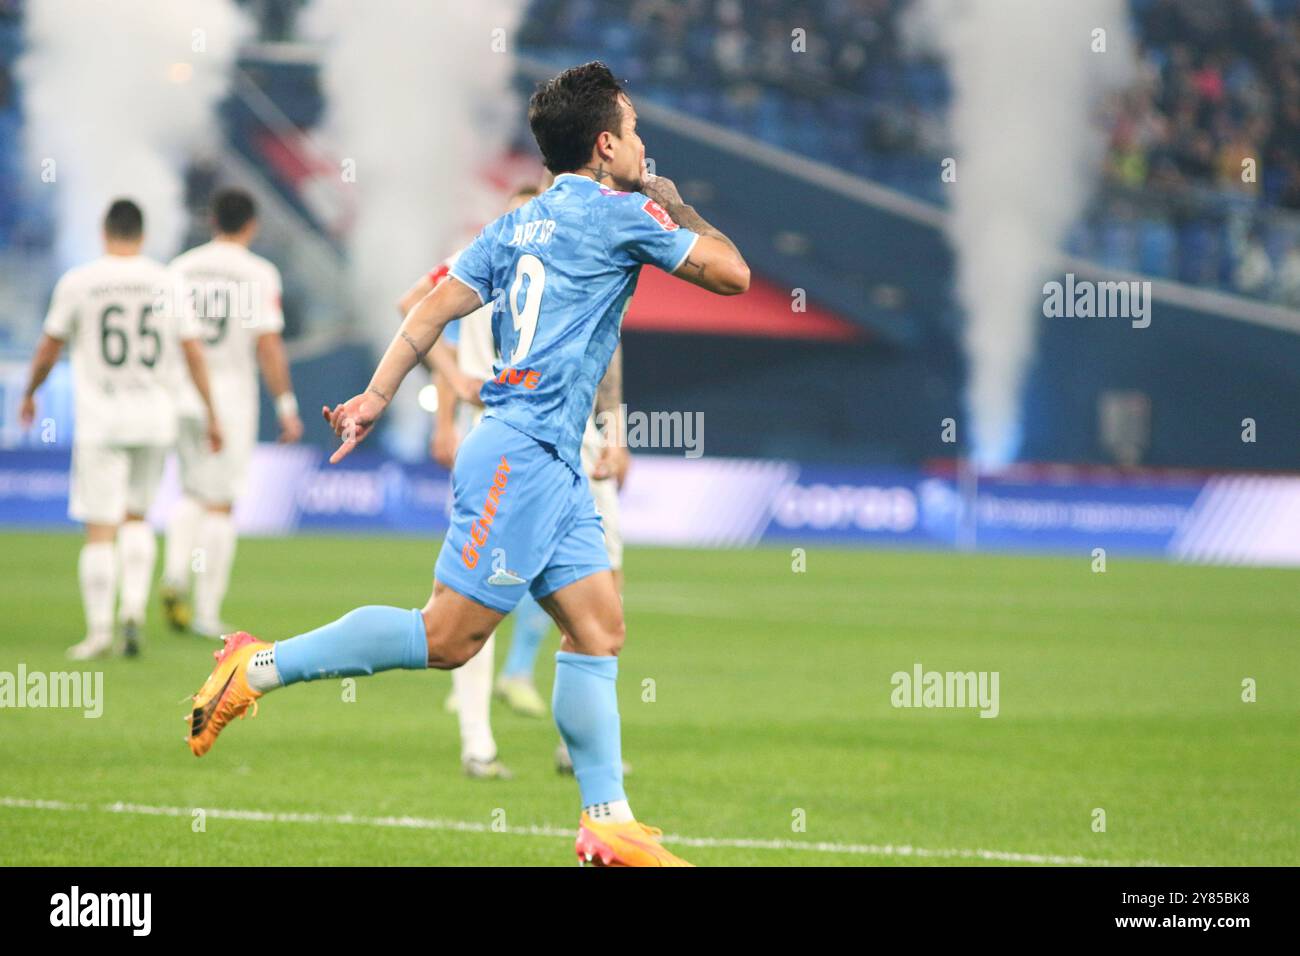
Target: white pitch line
{"x": 468, "y": 826}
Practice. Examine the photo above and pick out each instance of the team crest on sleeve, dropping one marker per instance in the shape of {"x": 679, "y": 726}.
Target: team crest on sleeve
{"x": 659, "y": 214}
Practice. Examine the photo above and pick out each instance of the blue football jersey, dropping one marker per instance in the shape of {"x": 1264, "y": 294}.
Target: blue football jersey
{"x": 560, "y": 271}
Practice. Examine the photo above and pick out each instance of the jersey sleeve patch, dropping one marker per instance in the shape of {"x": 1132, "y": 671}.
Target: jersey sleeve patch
{"x": 659, "y": 214}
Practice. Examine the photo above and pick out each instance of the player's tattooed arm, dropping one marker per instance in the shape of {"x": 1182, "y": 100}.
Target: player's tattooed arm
{"x": 410, "y": 298}
{"x": 356, "y": 418}
{"x": 664, "y": 191}
{"x": 420, "y": 330}
{"x": 420, "y": 352}
{"x": 714, "y": 263}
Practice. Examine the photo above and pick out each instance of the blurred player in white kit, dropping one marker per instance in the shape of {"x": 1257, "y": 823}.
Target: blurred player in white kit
{"x": 236, "y": 296}
{"x": 124, "y": 326}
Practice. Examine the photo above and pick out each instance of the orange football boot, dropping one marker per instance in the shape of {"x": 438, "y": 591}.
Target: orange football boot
{"x": 225, "y": 695}
{"x": 622, "y": 844}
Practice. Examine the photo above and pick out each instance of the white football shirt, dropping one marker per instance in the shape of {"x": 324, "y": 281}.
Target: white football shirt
{"x": 475, "y": 348}
{"x": 235, "y": 296}
{"x": 122, "y": 326}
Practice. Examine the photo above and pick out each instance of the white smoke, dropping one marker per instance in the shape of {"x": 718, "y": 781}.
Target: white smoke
{"x": 418, "y": 105}
{"x": 1027, "y": 86}
{"x": 119, "y": 97}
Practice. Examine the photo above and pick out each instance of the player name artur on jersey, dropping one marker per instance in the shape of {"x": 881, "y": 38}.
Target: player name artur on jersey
{"x": 537, "y": 232}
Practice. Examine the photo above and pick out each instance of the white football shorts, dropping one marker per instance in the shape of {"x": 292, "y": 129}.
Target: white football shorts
{"x": 214, "y": 478}
{"x": 109, "y": 482}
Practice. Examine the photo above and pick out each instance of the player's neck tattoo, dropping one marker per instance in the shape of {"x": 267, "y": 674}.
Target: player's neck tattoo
{"x": 597, "y": 172}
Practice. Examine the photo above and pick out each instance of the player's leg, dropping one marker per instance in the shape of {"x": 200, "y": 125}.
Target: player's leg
{"x": 502, "y": 523}
{"x": 97, "y": 499}
{"x": 589, "y": 613}
{"x": 178, "y": 560}
{"x": 183, "y": 526}
{"x": 604, "y": 496}
{"x": 451, "y": 628}
{"x": 590, "y": 618}
{"x": 136, "y": 552}
{"x": 577, "y": 589}
{"x": 215, "y": 545}
{"x": 516, "y": 685}
{"x": 446, "y": 633}
{"x": 221, "y": 479}
{"x": 472, "y": 683}
{"x": 502, "y": 511}
{"x": 137, "y": 547}
{"x": 97, "y": 577}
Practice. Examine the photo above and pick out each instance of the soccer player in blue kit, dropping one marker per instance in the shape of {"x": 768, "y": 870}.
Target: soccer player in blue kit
{"x": 561, "y": 269}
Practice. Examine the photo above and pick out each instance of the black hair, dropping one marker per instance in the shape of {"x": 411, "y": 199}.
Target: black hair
{"x": 232, "y": 209}
{"x": 124, "y": 220}
{"x": 568, "y": 112}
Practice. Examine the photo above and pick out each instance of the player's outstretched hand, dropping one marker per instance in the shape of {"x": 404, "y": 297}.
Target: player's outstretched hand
{"x": 352, "y": 422}
{"x": 215, "y": 438}
{"x": 27, "y": 412}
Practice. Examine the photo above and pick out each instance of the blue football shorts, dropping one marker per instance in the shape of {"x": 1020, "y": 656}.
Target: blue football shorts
{"x": 521, "y": 520}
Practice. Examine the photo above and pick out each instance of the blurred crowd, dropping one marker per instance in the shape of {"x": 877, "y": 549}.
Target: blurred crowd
{"x": 852, "y": 97}
{"x": 1220, "y": 79}
{"x": 728, "y": 42}
{"x": 1219, "y": 84}
{"x": 1218, "y": 102}
{"x": 1204, "y": 159}
{"x": 10, "y": 119}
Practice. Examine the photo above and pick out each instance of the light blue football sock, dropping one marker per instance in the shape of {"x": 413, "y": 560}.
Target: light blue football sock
{"x": 531, "y": 625}
{"x": 364, "y": 641}
{"x": 585, "y": 704}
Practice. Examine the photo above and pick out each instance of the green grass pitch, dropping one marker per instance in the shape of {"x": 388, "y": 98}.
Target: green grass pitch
{"x": 770, "y": 738}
